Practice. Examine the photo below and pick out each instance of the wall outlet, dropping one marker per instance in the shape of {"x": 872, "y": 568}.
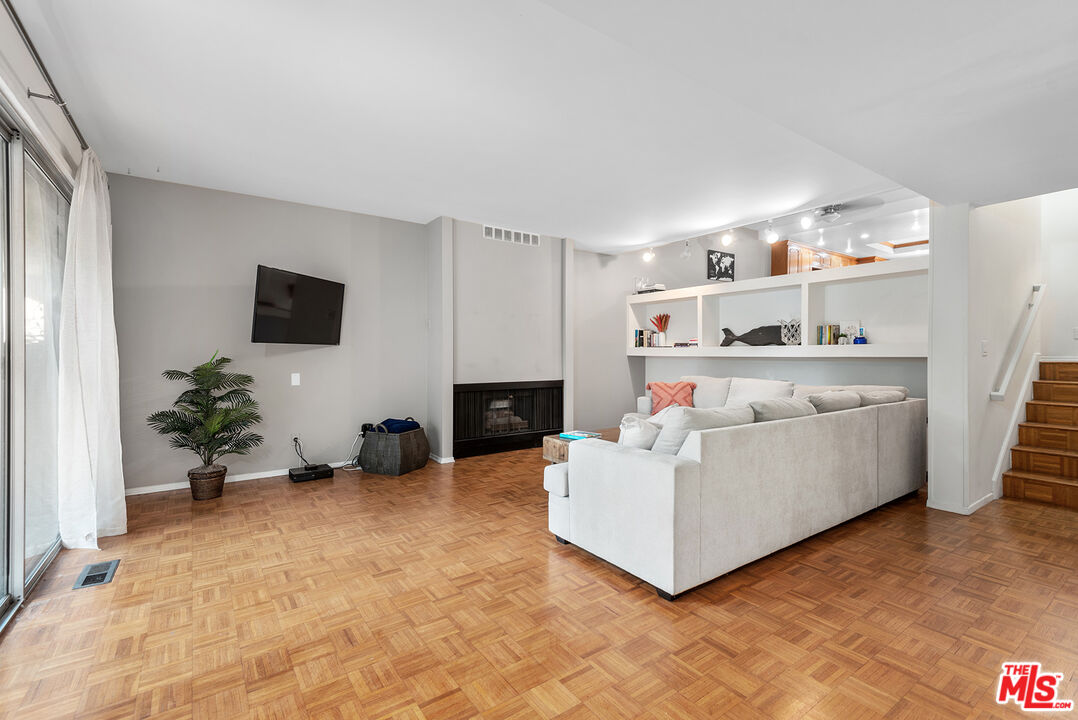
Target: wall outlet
{"x": 984, "y": 348}
{"x": 295, "y": 378}
{"x": 1074, "y": 331}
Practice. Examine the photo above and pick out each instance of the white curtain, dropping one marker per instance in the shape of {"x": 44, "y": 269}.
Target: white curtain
{"x": 90, "y": 473}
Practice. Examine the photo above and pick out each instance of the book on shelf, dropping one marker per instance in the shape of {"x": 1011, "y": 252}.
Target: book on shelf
{"x": 578, "y": 435}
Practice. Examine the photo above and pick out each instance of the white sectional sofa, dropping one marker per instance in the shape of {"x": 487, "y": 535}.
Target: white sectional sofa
{"x": 732, "y": 495}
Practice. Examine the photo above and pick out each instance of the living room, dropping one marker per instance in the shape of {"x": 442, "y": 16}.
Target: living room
{"x": 538, "y": 359}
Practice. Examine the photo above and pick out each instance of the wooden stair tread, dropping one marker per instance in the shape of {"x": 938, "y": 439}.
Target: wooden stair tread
{"x": 1041, "y": 477}
{"x": 1046, "y": 451}
{"x": 1047, "y": 426}
{"x": 1057, "y": 382}
{"x": 1052, "y": 402}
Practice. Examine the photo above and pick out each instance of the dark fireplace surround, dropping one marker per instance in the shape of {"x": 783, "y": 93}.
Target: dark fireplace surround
{"x": 495, "y": 417}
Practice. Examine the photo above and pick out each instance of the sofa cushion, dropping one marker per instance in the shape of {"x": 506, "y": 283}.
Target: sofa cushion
{"x": 656, "y": 419}
{"x": 638, "y": 433}
{"x": 879, "y": 388}
{"x": 781, "y": 408}
{"x": 834, "y": 400}
{"x": 881, "y": 397}
{"x": 710, "y": 392}
{"x": 803, "y": 391}
{"x": 745, "y": 390}
{"x": 556, "y": 479}
{"x": 666, "y": 394}
{"x": 682, "y": 421}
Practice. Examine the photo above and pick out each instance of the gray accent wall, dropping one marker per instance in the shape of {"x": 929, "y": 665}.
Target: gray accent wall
{"x": 507, "y": 308}
{"x": 184, "y": 273}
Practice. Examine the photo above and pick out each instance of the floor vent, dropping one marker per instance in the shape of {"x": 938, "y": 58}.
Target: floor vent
{"x": 96, "y": 574}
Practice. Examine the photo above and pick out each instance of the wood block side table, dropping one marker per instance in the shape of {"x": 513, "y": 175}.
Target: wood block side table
{"x": 556, "y": 449}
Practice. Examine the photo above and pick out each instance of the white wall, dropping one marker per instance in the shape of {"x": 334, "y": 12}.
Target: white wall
{"x": 1004, "y": 264}
{"x": 184, "y": 272}
{"x": 984, "y": 264}
{"x": 507, "y": 308}
{"x": 1059, "y": 230}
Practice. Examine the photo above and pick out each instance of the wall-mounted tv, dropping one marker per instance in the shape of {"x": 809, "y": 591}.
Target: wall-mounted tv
{"x": 294, "y": 308}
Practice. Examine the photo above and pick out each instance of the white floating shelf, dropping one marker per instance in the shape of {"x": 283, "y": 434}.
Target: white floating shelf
{"x": 889, "y": 268}
{"x": 888, "y": 295}
{"x": 912, "y": 350}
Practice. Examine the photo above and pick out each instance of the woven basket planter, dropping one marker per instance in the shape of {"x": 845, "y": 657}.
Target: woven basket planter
{"x": 207, "y": 483}
{"x": 385, "y": 453}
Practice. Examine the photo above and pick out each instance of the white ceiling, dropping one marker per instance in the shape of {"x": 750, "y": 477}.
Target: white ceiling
{"x": 619, "y": 124}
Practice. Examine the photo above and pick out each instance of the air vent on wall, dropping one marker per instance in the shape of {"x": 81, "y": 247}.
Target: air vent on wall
{"x": 510, "y": 236}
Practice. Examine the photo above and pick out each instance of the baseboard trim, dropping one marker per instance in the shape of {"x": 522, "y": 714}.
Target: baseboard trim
{"x": 981, "y": 503}
{"x": 441, "y": 460}
{"x": 242, "y": 477}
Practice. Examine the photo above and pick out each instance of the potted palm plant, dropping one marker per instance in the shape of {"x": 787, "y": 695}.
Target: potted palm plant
{"x": 212, "y": 418}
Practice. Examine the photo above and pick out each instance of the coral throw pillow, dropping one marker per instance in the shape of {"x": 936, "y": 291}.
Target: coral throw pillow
{"x": 666, "y": 394}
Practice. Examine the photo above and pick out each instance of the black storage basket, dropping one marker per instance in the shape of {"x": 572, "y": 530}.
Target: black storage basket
{"x": 386, "y": 453}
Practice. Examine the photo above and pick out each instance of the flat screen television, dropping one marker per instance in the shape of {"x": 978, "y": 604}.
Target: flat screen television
{"x": 294, "y": 308}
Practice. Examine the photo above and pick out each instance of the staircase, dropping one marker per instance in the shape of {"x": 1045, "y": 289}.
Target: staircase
{"x": 1044, "y": 463}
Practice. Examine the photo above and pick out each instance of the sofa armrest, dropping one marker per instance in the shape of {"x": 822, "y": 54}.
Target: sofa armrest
{"x": 643, "y": 405}
{"x": 638, "y": 510}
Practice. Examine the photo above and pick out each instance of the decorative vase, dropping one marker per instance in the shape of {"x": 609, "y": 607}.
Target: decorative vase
{"x": 207, "y": 481}
{"x": 662, "y": 339}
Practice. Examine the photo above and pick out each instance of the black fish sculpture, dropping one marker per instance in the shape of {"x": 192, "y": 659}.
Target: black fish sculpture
{"x": 763, "y": 335}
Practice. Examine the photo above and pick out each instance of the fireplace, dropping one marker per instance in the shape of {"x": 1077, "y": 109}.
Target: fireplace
{"x": 494, "y": 417}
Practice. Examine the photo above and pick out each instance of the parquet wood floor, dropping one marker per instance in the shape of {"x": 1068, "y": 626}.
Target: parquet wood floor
{"x": 442, "y": 595}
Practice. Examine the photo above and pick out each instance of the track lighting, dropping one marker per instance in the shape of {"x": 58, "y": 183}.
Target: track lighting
{"x": 806, "y": 222}
{"x": 771, "y": 236}
{"x": 649, "y": 255}
{"x": 687, "y": 252}
{"x": 727, "y": 239}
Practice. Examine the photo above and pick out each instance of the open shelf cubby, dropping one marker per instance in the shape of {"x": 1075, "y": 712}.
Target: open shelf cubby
{"x": 889, "y": 299}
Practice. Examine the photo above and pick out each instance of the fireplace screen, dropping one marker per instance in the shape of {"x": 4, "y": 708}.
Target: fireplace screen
{"x": 492, "y": 417}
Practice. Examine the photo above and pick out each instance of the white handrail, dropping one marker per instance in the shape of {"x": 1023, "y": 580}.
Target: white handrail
{"x": 1034, "y": 305}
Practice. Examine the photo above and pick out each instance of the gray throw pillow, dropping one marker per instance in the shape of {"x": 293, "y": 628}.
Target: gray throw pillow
{"x": 682, "y": 421}
{"x": 882, "y": 397}
{"x": 781, "y": 409}
{"x": 835, "y": 400}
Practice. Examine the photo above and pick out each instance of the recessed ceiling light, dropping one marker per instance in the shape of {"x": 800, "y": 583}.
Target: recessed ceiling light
{"x": 649, "y": 255}
{"x": 727, "y": 239}
{"x": 864, "y": 236}
{"x": 806, "y": 222}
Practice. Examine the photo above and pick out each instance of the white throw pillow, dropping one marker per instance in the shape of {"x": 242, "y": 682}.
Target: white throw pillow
{"x": 835, "y": 400}
{"x": 682, "y": 421}
{"x": 745, "y": 390}
{"x": 638, "y": 433}
{"x": 781, "y": 409}
{"x": 710, "y": 392}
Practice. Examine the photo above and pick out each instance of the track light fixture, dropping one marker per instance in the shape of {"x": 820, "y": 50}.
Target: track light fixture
{"x": 649, "y": 255}
{"x": 770, "y": 235}
{"x": 727, "y": 238}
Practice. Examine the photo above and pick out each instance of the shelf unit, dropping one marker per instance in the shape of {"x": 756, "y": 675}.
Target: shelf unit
{"x": 890, "y": 299}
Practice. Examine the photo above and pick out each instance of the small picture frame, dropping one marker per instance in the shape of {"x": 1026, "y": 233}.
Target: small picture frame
{"x": 720, "y": 266}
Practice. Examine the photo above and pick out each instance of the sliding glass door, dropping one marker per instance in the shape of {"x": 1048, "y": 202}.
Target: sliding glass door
{"x": 46, "y": 210}
{"x": 5, "y": 505}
